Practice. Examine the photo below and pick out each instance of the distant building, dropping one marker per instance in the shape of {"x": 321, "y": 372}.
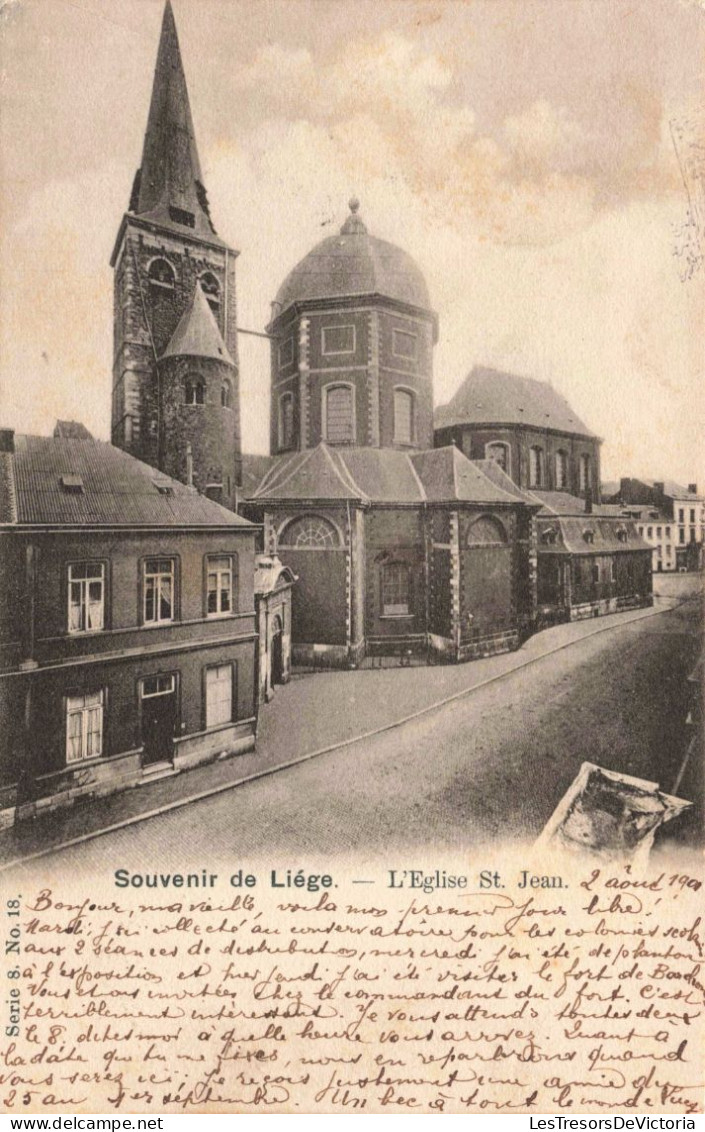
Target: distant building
{"x": 671, "y": 518}
{"x": 127, "y": 624}
{"x": 527, "y": 427}
{"x": 589, "y": 561}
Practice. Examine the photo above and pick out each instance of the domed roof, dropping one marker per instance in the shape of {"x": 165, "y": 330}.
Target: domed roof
{"x": 354, "y": 263}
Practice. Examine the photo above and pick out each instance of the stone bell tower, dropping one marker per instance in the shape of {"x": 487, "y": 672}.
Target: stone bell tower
{"x": 175, "y": 368}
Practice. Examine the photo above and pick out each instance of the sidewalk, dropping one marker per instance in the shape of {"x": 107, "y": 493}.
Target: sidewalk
{"x": 310, "y": 715}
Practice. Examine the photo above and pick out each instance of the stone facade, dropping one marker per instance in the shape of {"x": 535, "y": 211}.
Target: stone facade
{"x": 167, "y": 247}
{"x": 171, "y": 604}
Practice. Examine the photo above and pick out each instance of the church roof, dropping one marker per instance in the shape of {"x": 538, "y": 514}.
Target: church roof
{"x": 382, "y": 475}
{"x": 354, "y": 263}
{"x": 72, "y": 430}
{"x": 446, "y": 473}
{"x": 488, "y": 396}
{"x": 169, "y": 186}
{"x": 56, "y": 482}
{"x": 197, "y": 333}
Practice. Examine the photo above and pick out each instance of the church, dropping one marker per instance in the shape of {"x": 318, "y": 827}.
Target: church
{"x": 402, "y": 540}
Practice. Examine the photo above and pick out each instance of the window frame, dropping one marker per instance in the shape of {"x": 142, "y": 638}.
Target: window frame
{"x": 409, "y": 334}
{"x": 208, "y": 569}
{"x": 507, "y": 453}
{"x": 536, "y": 452}
{"x": 342, "y": 326}
{"x": 338, "y": 544}
{"x": 161, "y": 283}
{"x": 70, "y": 581}
{"x": 212, "y": 290}
{"x": 326, "y": 390}
{"x": 286, "y": 396}
{"x": 585, "y": 471}
{"x": 562, "y": 481}
{"x": 406, "y": 391}
{"x": 284, "y": 363}
{"x": 193, "y": 383}
{"x": 394, "y": 610}
{"x": 159, "y": 621}
{"x": 86, "y": 732}
{"x": 216, "y": 726}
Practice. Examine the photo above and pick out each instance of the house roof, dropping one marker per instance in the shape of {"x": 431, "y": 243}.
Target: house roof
{"x": 72, "y": 430}
{"x": 197, "y": 333}
{"x": 354, "y": 263}
{"x": 383, "y": 475}
{"x": 488, "y": 396}
{"x": 573, "y": 535}
{"x": 56, "y": 482}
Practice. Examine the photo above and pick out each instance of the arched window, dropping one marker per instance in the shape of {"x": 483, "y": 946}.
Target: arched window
{"x": 285, "y": 426}
{"x": 486, "y": 531}
{"x": 339, "y": 414}
{"x": 310, "y": 532}
{"x": 585, "y": 472}
{"x": 211, "y": 289}
{"x": 194, "y": 390}
{"x": 226, "y": 393}
{"x": 536, "y": 476}
{"x": 395, "y": 589}
{"x": 161, "y": 275}
{"x": 403, "y": 416}
{"x": 499, "y": 452}
{"x": 561, "y": 470}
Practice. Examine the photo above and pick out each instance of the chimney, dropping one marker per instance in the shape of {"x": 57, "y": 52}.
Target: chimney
{"x": 7, "y": 440}
{"x": 692, "y": 489}
{"x": 189, "y": 465}
{"x": 588, "y": 501}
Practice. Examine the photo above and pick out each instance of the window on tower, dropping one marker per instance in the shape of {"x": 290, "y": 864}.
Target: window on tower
{"x": 339, "y": 414}
{"x": 226, "y": 393}
{"x": 194, "y": 391}
{"x": 286, "y": 421}
{"x": 498, "y": 451}
{"x": 403, "y": 416}
{"x": 536, "y": 476}
{"x": 211, "y": 289}
{"x": 585, "y": 472}
{"x": 561, "y": 470}
{"x": 161, "y": 275}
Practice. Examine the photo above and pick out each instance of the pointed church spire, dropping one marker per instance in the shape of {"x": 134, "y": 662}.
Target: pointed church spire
{"x": 169, "y": 186}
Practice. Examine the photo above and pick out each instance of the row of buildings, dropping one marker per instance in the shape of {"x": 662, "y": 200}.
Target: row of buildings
{"x": 156, "y": 589}
{"x": 669, "y": 516}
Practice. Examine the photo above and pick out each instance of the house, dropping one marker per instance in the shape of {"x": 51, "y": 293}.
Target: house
{"x": 590, "y": 561}
{"x": 128, "y": 644}
{"x": 527, "y": 427}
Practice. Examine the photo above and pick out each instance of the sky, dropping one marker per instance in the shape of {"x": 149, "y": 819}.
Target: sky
{"x": 529, "y": 154}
